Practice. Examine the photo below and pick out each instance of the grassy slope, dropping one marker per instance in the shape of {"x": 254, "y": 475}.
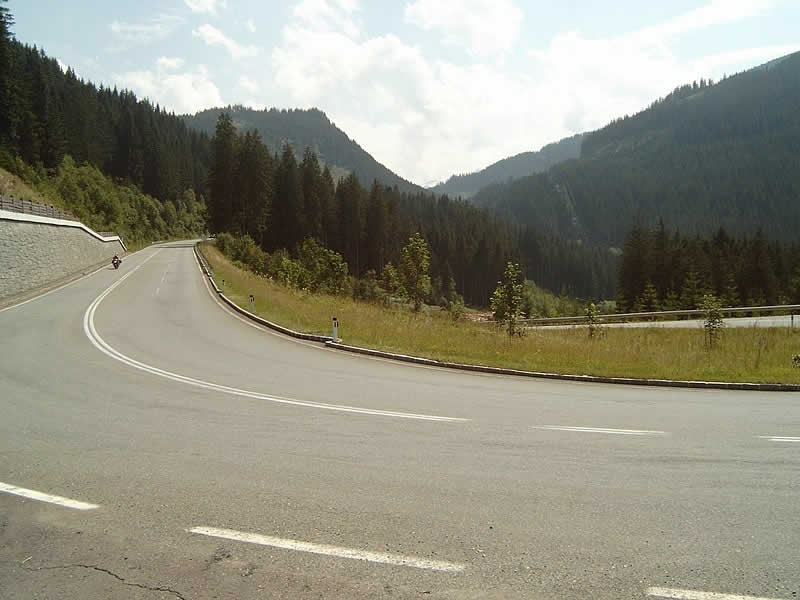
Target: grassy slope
{"x": 11, "y": 185}
{"x": 757, "y": 355}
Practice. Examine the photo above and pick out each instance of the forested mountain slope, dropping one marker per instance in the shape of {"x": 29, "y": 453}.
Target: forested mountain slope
{"x": 514, "y": 167}
{"x": 305, "y": 129}
{"x": 707, "y": 155}
{"x": 116, "y": 162}
{"x": 124, "y": 164}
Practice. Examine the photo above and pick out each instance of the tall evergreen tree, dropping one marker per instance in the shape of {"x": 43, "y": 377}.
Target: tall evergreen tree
{"x": 221, "y": 176}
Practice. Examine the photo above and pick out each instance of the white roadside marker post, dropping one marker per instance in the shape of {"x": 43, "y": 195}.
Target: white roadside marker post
{"x": 252, "y": 303}
{"x": 335, "y": 329}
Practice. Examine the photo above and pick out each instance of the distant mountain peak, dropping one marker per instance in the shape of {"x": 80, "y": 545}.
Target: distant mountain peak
{"x": 513, "y": 167}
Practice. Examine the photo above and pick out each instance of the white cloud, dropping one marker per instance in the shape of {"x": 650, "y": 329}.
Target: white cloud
{"x": 214, "y": 37}
{"x": 329, "y": 16}
{"x": 169, "y": 63}
{"x": 181, "y": 92}
{"x": 427, "y": 118}
{"x": 599, "y": 79}
{"x": 250, "y": 25}
{"x": 205, "y": 6}
{"x": 141, "y": 33}
{"x": 482, "y": 27}
{"x": 715, "y": 12}
{"x": 248, "y": 84}
{"x": 419, "y": 117}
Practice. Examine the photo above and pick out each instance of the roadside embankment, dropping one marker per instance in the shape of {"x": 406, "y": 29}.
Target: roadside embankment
{"x": 37, "y": 252}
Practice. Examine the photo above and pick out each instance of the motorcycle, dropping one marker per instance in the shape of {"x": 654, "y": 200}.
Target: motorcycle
{"x": 116, "y": 261}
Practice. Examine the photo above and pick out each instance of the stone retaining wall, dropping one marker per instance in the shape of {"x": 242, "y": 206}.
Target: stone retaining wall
{"x": 36, "y": 251}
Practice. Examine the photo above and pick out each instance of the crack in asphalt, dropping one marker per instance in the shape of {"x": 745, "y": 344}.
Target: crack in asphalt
{"x": 144, "y": 586}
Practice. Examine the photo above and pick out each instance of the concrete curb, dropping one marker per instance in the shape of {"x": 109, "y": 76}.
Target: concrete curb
{"x": 329, "y": 343}
{"x": 708, "y": 385}
{"x": 279, "y": 328}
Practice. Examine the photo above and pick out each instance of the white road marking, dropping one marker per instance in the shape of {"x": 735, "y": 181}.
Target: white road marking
{"x": 69, "y": 283}
{"x": 779, "y": 438}
{"x": 695, "y": 595}
{"x": 53, "y": 291}
{"x": 94, "y": 337}
{"x": 599, "y": 430}
{"x": 42, "y": 497}
{"x": 340, "y": 551}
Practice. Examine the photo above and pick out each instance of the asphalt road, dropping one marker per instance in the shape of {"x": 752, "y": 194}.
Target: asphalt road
{"x": 365, "y": 478}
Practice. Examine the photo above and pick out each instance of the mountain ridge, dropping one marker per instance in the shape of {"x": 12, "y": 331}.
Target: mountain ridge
{"x": 708, "y": 155}
{"x": 301, "y": 129}
{"x": 512, "y": 167}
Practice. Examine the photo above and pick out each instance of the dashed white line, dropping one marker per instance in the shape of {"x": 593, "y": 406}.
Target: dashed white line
{"x": 94, "y": 337}
{"x": 599, "y": 430}
{"x": 325, "y": 549}
{"x": 43, "y": 497}
{"x": 780, "y": 438}
{"x": 676, "y": 594}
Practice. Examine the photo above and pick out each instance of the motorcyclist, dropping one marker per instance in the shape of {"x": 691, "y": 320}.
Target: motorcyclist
{"x": 115, "y": 261}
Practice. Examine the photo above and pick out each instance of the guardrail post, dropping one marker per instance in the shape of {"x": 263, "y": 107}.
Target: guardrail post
{"x": 335, "y": 329}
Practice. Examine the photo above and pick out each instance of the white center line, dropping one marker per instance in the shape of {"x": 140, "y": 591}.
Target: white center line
{"x": 98, "y": 342}
{"x": 42, "y": 497}
{"x": 598, "y": 430}
{"x": 695, "y": 595}
{"x": 340, "y": 551}
{"x": 779, "y": 438}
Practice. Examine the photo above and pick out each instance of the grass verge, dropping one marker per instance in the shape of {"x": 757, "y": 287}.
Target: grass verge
{"x": 744, "y": 355}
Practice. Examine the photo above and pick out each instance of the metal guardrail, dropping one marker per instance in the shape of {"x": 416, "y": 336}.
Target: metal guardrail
{"x": 19, "y": 205}
{"x": 790, "y": 309}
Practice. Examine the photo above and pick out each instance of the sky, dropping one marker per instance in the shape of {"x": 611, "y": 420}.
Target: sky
{"x": 430, "y": 88}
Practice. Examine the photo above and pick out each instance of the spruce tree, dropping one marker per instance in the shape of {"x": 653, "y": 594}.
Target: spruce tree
{"x": 221, "y": 177}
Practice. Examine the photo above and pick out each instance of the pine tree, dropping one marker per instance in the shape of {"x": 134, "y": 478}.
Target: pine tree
{"x": 252, "y": 201}
{"x": 691, "y": 292}
{"x": 311, "y": 178}
{"x": 649, "y": 298}
{"x": 731, "y": 297}
{"x": 288, "y": 210}
{"x": 221, "y": 177}
{"x": 377, "y": 227}
{"x": 6, "y": 104}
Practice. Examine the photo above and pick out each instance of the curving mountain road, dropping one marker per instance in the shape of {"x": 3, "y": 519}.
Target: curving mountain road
{"x": 218, "y": 460}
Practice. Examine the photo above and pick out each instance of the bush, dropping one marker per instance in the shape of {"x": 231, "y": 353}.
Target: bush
{"x": 325, "y": 270}
{"x": 796, "y": 361}
{"x": 457, "y": 310}
{"x": 224, "y": 244}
